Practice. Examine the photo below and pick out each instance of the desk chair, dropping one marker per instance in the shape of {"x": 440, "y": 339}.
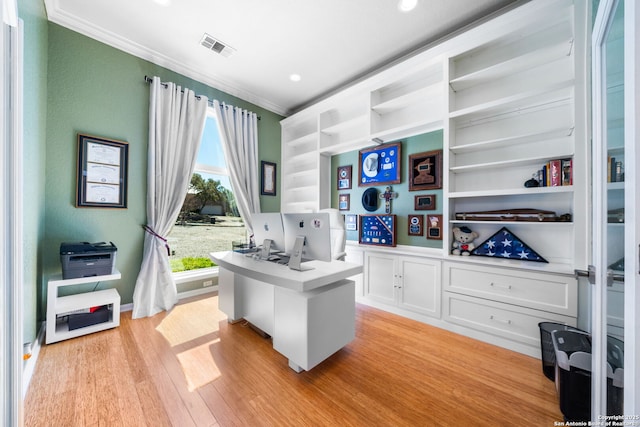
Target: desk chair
{"x": 338, "y": 234}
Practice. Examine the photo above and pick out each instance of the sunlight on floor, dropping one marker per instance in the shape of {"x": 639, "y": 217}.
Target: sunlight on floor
{"x": 198, "y": 365}
{"x": 191, "y": 320}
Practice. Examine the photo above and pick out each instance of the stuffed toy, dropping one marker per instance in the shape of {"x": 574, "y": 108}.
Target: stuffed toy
{"x": 463, "y": 241}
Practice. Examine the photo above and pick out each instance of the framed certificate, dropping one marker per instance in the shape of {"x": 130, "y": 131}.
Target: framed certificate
{"x": 101, "y": 172}
{"x": 379, "y": 165}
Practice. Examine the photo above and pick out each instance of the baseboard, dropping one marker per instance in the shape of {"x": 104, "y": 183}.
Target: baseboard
{"x": 181, "y": 295}
{"x": 29, "y": 365}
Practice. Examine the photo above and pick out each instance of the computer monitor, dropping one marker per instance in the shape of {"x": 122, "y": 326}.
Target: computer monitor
{"x": 316, "y": 230}
{"x": 268, "y": 226}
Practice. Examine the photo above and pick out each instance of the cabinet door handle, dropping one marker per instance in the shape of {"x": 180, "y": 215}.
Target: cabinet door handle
{"x": 494, "y": 285}
{"x": 505, "y": 321}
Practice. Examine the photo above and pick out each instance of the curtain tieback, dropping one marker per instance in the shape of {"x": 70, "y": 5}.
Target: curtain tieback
{"x": 154, "y": 234}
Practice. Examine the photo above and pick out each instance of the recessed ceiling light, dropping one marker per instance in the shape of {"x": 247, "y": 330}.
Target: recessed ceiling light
{"x": 295, "y": 77}
{"x": 407, "y": 5}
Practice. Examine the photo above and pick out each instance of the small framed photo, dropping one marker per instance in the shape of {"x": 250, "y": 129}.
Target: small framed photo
{"x": 268, "y": 178}
{"x": 343, "y": 202}
{"x": 425, "y": 170}
{"x": 416, "y": 225}
{"x": 424, "y": 202}
{"x": 434, "y": 227}
{"x": 344, "y": 177}
{"x": 101, "y": 172}
{"x": 351, "y": 222}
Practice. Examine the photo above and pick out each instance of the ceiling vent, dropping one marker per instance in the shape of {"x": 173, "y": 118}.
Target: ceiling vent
{"x": 216, "y": 45}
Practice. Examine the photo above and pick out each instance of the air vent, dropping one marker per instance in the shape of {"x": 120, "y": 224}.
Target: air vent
{"x": 216, "y": 45}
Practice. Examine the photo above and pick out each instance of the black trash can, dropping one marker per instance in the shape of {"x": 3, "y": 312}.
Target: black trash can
{"x": 546, "y": 346}
{"x": 573, "y": 374}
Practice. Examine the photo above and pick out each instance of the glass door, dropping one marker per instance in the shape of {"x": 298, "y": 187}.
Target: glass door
{"x": 607, "y": 272}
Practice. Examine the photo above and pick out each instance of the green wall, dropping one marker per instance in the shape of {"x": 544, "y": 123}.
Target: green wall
{"x": 98, "y": 90}
{"x": 401, "y": 206}
{"x": 34, "y": 137}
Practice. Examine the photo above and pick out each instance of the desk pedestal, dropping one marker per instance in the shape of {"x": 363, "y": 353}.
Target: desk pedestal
{"x": 307, "y": 327}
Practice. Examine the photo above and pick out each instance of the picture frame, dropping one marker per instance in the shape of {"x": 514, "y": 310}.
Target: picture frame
{"x": 424, "y": 202}
{"x": 351, "y": 222}
{"x": 343, "y": 202}
{"x": 415, "y": 225}
{"x": 102, "y": 168}
{"x": 434, "y": 227}
{"x": 425, "y": 170}
{"x": 378, "y": 230}
{"x": 379, "y": 165}
{"x": 268, "y": 178}
{"x": 344, "y": 177}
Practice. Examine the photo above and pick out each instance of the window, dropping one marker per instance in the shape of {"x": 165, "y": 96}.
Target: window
{"x": 209, "y": 219}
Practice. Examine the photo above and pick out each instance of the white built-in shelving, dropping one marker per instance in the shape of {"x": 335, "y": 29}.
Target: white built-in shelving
{"x": 509, "y": 95}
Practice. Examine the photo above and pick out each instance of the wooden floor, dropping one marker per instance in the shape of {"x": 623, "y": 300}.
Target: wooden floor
{"x": 190, "y": 367}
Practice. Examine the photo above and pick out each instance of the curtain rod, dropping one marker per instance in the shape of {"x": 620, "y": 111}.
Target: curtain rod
{"x": 148, "y": 79}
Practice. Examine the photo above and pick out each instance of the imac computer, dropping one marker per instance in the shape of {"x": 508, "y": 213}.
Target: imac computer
{"x": 307, "y": 237}
{"x": 268, "y": 226}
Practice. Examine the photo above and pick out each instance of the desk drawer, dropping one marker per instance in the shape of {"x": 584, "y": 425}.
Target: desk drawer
{"x": 504, "y": 320}
{"x": 549, "y": 292}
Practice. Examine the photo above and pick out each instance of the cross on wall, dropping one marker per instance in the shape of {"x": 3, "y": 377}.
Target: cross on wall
{"x": 388, "y": 195}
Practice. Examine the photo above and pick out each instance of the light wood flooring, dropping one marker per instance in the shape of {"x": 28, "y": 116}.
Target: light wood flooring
{"x": 190, "y": 367}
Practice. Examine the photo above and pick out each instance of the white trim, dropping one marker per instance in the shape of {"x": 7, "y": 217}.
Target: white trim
{"x": 112, "y": 39}
{"x": 601, "y": 28}
{"x": 195, "y": 275}
{"x": 29, "y": 365}
{"x": 197, "y": 292}
{"x": 632, "y": 204}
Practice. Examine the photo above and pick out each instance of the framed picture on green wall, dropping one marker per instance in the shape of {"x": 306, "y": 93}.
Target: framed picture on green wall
{"x": 101, "y": 172}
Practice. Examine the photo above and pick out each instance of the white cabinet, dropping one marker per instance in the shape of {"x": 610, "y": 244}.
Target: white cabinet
{"x": 508, "y": 303}
{"x": 407, "y": 282}
{"x": 59, "y": 306}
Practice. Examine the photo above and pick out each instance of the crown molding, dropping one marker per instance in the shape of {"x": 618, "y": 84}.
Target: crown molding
{"x": 57, "y": 16}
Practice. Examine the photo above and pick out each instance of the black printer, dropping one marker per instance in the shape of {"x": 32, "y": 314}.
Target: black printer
{"x": 84, "y": 259}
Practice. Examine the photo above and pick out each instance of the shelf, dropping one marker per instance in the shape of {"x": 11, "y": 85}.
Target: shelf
{"x": 508, "y": 163}
{"x": 615, "y": 185}
{"x": 406, "y": 130}
{"x": 85, "y": 300}
{"x": 407, "y": 99}
{"x": 59, "y": 330}
{"x": 302, "y": 140}
{"x": 527, "y": 60}
{"x": 548, "y": 95}
{"x": 355, "y": 122}
{"x": 512, "y": 192}
{"x": 57, "y": 280}
{"x": 512, "y": 140}
{"x": 526, "y": 223}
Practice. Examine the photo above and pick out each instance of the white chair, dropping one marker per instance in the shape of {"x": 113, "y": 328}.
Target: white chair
{"x": 338, "y": 234}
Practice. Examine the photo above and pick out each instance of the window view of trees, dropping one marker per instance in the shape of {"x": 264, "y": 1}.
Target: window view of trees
{"x": 209, "y": 220}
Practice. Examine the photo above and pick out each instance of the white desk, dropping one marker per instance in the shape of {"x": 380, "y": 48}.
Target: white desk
{"x": 310, "y": 314}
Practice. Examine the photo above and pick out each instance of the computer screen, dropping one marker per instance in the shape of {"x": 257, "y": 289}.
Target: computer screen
{"x": 268, "y": 226}
{"x": 315, "y": 228}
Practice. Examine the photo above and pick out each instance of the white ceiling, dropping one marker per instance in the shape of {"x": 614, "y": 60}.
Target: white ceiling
{"x": 328, "y": 42}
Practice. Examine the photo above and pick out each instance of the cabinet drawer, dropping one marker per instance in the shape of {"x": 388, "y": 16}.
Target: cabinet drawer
{"x": 554, "y": 293}
{"x": 504, "y": 320}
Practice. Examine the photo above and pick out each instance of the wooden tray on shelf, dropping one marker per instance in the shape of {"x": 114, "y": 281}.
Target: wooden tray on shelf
{"x": 530, "y": 215}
